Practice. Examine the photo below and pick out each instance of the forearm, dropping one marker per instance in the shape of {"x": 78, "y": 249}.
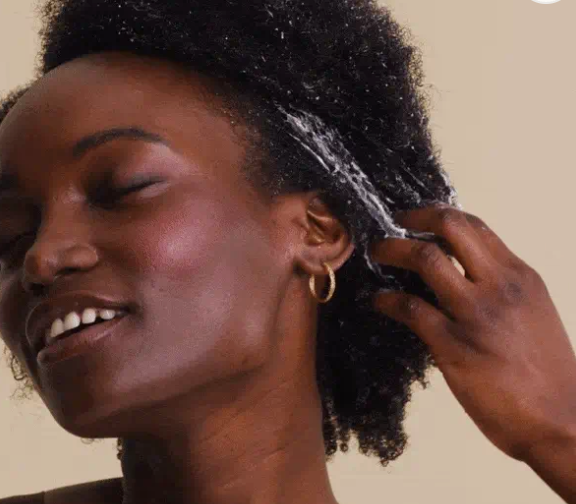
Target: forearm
{"x": 555, "y": 463}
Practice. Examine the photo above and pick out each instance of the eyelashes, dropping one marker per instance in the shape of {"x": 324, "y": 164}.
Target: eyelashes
{"x": 109, "y": 196}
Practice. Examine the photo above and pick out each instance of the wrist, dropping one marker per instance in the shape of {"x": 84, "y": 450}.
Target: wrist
{"x": 553, "y": 458}
{"x": 550, "y": 445}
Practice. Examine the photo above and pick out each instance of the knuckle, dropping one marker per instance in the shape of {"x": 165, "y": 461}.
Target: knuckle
{"x": 427, "y": 254}
{"x": 532, "y": 276}
{"x": 475, "y": 221}
{"x": 515, "y": 266}
{"x": 409, "y": 306}
{"x": 534, "y": 285}
{"x": 450, "y": 218}
{"x": 513, "y": 292}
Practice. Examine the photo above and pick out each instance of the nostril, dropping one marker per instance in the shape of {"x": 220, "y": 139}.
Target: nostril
{"x": 65, "y": 271}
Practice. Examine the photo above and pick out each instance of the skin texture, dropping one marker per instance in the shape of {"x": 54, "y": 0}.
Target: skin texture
{"x": 212, "y": 382}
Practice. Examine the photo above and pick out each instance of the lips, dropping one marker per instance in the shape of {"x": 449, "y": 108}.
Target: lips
{"x": 86, "y": 341}
{"x": 41, "y": 317}
{"x": 48, "y": 340}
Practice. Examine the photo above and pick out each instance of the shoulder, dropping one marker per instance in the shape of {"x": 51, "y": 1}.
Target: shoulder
{"x": 107, "y": 491}
{"x": 37, "y": 498}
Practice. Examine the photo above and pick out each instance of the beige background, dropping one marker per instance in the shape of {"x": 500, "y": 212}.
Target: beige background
{"x": 503, "y": 79}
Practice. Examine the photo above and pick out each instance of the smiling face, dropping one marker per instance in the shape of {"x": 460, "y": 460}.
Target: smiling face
{"x": 196, "y": 252}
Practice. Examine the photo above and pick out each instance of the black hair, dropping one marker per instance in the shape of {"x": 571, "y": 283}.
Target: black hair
{"x": 349, "y": 64}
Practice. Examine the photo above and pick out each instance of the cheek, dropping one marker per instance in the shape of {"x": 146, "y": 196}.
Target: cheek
{"x": 177, "y": 247}
{"x": 205, "y": 273}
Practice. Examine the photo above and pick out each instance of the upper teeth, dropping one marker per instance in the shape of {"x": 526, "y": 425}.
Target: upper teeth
{"x": 73, "y": 320}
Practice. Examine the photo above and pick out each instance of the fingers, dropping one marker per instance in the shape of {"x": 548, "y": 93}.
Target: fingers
{"x": 434, "y": 267}
{"x": 493, "y": 242}
{"x": 454, "y": 226}
{"x": 431, "y": 325}
{"x": 478, "y": 250}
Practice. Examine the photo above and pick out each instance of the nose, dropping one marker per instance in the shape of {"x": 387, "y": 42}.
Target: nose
{"x": 62, "y": 247}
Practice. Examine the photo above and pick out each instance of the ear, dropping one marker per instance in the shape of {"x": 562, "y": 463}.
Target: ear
{"x": 325, "y": 239}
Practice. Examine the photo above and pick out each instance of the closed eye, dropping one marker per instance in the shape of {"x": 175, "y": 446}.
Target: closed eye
{"x": 108, "y": 196}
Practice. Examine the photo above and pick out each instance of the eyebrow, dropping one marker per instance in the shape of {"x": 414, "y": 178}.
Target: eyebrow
{"x": 101, "y": 137}
{"x": 9, "y": 182}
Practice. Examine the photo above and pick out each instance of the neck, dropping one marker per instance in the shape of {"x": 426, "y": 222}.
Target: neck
{"x": 269, "y": 451}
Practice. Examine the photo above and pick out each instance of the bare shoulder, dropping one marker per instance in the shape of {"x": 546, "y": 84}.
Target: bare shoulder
{"x": 107, "y": 491}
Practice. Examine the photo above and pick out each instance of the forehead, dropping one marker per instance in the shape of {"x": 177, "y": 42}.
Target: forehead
{"x": 112, "y": 90}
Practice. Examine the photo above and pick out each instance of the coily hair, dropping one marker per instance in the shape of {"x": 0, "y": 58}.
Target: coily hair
{"x": 333, "y": 93}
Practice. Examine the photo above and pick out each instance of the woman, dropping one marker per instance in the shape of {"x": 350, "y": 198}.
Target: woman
{"x": 198, "y": 211}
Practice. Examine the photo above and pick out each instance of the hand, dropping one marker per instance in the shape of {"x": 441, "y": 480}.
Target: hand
{"x": 499, "y": 341}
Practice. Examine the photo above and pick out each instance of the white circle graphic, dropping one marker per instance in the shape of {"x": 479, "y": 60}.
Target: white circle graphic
{"x": 546, "y": 1}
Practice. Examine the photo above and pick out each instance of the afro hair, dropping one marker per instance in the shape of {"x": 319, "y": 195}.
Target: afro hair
{"x": 330, "y": 86}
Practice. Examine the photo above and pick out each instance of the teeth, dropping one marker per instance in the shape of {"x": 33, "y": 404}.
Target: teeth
{"x": 57, "y": 328}
{"x": 89, "y": 316}
{"x": 73, "y": 320}
{"x": 107, "y": 314}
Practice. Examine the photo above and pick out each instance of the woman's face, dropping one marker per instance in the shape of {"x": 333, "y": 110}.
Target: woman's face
{"x": 199, "y": 259}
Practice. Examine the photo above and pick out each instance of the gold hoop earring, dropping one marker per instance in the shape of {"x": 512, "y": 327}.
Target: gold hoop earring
{"x": 312, "y": 284}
